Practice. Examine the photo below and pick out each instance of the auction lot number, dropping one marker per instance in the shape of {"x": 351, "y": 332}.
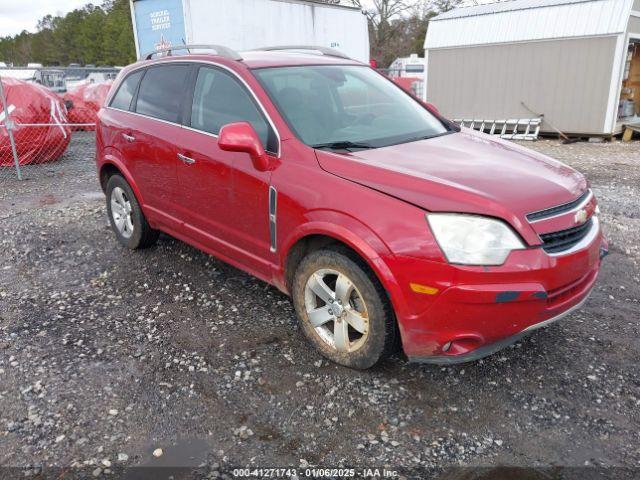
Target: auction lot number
{"x": 295, "y": 473}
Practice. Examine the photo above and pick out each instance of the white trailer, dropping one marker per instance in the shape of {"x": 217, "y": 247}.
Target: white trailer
{"x": 411, "y": 66}
{"x": 248, "y": 24}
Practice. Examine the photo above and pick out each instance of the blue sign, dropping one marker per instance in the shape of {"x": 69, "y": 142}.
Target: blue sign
{"x": 159, "y": 24}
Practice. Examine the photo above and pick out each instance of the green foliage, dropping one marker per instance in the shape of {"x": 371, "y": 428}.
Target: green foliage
{"x": 104, "y": 35}
{"x": 100, "y": 35}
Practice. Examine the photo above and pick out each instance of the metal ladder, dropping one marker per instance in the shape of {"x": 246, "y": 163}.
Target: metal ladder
{"x": 511, "y": 129}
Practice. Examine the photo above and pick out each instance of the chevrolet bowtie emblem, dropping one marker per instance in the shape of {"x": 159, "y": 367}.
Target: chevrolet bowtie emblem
{"x": 580, "y": 217}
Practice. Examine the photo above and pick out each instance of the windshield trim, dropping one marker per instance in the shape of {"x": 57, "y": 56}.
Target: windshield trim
{"x": 449, "y": 127}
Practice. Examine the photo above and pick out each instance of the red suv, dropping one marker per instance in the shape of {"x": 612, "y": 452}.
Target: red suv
{"x": 383, "y": 221}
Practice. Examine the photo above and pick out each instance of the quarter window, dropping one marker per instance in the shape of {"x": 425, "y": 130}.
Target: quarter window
{"x": 219, "y": 99}
{"x": 161, "y": 92}
{"x": 122, "y": 99}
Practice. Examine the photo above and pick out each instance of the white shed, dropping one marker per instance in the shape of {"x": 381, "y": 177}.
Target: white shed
{"x": 575, "y": 61}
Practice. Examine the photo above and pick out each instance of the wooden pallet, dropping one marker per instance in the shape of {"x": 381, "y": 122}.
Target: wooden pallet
{"x": 629, "y": 130}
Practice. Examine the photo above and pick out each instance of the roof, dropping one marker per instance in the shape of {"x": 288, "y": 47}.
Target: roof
{"x": 263, "y": 59}
{"x": 413, "y": 58}
{"x": 19, "y": 73}
{"x": 527, "y": 20}
{"x": 506, "y": 6}
{"x": 336, "y": 3}
{"x": 327, "y": 3}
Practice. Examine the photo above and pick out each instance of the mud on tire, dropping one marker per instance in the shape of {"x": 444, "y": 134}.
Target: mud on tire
{"x": 381, "y": 334}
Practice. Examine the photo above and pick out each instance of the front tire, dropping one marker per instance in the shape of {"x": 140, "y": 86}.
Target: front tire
{"x": 125, "y": 215}
{"x": 342, "y": 309}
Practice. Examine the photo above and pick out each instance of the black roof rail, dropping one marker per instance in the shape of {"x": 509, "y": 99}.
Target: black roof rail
{"x": 329, "y": 52}
{"x": 219, "y": 49}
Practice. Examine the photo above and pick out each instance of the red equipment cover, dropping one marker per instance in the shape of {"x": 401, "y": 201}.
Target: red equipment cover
{"x": 84, "y": 101}
{"x": 27, "y": 104}
{"x": 405, "y": 82}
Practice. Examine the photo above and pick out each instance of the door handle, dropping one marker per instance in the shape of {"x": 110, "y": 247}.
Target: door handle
{"x": 129, "y": 138}
{"x": 186, "y": 160}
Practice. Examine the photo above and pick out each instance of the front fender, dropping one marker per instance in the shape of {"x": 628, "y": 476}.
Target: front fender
{"x": 358, "y": 237}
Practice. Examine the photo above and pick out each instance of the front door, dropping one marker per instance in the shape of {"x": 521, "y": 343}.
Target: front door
{"x": 224, "y": 200}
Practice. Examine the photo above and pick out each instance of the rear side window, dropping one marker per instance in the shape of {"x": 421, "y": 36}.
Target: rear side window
{"x": 220, "y": 99}
{"x": 122, "y": 99}
{"x": 161, "y": 91}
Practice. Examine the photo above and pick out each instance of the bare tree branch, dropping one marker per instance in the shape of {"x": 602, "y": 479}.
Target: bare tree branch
{"x": 397, "y": 27}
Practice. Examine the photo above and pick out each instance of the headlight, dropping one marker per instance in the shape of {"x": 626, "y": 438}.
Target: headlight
{"x": 472, "y": 239}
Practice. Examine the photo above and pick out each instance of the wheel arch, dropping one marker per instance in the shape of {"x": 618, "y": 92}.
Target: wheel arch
{"x": 111, "y": 166}
{"x": 303, "y": 247}
{"x": 106, "y": 172}
{"x": 360, "y": 240}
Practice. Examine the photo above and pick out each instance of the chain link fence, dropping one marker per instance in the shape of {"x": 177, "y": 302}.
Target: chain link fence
{"x": 43, "y": 134}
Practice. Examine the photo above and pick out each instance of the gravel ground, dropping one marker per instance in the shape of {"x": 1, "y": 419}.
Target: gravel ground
{"x": 107, "y": 355}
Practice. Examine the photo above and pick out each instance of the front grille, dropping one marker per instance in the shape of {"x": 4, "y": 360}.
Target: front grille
{"x": 557, "y": 210}
{"x": 565, "y": 239}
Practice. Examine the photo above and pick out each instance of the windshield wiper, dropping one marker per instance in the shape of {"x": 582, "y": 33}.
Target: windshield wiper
{"x": 344, "y": 145}
{"x": 424, "y": 137}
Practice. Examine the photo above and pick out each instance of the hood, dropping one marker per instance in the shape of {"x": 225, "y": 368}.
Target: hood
{"x": 465, "y": 172}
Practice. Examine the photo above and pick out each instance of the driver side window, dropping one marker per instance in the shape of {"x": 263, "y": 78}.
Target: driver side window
{"x": 220, "y": 99}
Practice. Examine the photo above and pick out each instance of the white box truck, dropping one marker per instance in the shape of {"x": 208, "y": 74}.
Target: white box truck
{"x": 248, "y": 24}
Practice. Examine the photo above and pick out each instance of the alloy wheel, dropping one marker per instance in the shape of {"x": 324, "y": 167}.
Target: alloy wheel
{"x": 336, "y": 310}
{"x": 121, "y": 212}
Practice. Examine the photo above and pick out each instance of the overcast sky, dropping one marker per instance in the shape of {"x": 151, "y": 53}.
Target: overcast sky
{"x": 18, "y": 15}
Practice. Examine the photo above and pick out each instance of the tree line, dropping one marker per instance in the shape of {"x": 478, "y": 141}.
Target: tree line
{"x": 103, "y": 35}
{"x": 100, "y": 35}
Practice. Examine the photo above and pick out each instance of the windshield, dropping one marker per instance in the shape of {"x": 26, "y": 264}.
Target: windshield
{"x": 346, "y": 107}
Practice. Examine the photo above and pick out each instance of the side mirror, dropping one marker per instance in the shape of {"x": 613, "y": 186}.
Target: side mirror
{"x": 242, "y": 137}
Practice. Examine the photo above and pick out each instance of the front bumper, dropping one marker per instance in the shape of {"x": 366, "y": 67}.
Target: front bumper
{"x": 480, "y": 310}
{"x": 492, "y": 348}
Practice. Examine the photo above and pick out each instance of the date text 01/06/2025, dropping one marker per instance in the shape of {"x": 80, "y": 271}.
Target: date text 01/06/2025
{"x": 317, "y": 472}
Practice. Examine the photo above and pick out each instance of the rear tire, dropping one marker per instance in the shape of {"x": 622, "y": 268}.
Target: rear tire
{"x": 125, "y": 215}
{"x": 342, "y": 308}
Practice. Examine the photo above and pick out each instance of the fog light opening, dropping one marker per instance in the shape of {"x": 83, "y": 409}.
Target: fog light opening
{"x": 461, "y": 345}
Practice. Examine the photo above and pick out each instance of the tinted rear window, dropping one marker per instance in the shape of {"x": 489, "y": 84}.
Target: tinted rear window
{"x": 127, "y": 90}
{"x": 161, "y": 90}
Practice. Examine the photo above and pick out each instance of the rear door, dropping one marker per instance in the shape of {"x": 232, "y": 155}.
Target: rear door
{"x": 224, "y": 200}
{"x": 158, "y": 107}
{"x": 120, "y": 123}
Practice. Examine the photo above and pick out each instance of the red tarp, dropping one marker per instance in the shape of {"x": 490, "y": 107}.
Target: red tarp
{"x": 30, "y": 103}
{"x": 405, "y": 82}
{"x": 84, "y": 101}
